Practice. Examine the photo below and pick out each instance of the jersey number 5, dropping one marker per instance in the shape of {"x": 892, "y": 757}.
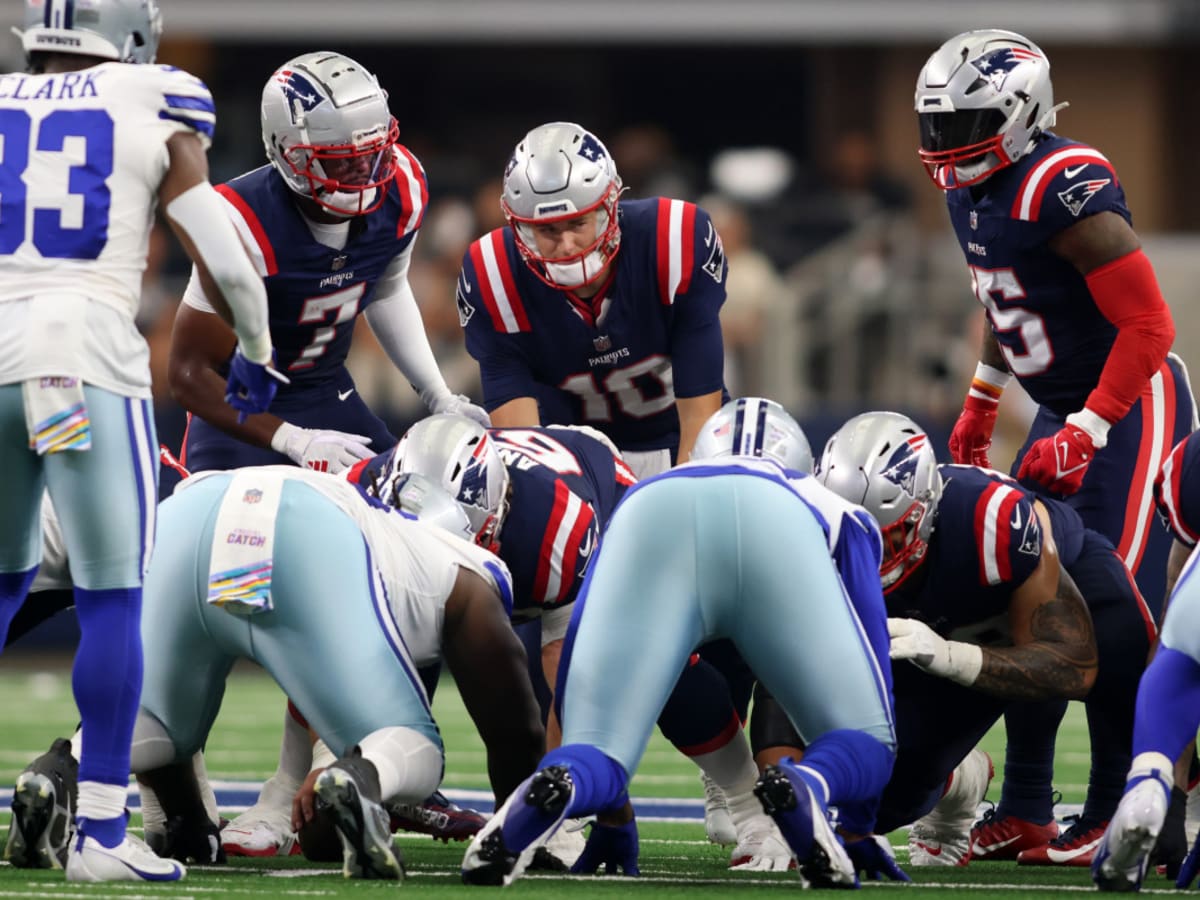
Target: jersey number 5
{"x": 1020, "y": 332}
{"x": 86, "y": 180}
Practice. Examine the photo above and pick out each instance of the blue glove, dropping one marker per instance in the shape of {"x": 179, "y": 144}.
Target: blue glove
{"x": 613, "y": 846}
{"x": 251, "y": 386}
{"x": 1190, "y": 867}
{"x": 873, "y": 859}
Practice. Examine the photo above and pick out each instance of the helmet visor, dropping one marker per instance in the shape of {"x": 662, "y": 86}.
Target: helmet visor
{"x": 945, "y": 131}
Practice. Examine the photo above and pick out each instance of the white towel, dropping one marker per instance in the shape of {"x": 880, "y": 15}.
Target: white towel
{"x": 56, "y": 414}
{"x": 239, "y": 567}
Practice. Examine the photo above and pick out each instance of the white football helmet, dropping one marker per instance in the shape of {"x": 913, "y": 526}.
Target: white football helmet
{"x": 982, "y": 101}
{"x": 460, "y": 456}
{"x": 423, "y": 498}
{"x": 754, "y": 426}
{"x": 122, "y": 30}
{"x": 327, "y": 130}
{"x": 560, "y": 172}
{"x": 885, "y": 463}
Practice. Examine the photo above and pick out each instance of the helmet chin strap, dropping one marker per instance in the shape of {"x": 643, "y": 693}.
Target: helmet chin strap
{"x": 567, "y": 276}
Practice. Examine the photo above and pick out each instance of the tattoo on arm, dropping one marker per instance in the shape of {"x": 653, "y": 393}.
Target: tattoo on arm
{"x": 1060, "y": 661}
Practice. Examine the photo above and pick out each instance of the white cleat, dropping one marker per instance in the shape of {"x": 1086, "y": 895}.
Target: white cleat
{"x": 1124, "y": 851}
{"x": 718, "y": 823}
{"x": 130, "y": 860}
{"x": 761, "y": 848}
{"x": 942, "y": 837}
{"x": 260, "y": 831}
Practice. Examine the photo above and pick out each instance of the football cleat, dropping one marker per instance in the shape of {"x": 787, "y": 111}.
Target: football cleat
{"x": 437, "y": 816}
{"x": 1004, "y": 837}
{"x": 260, "y": 831}
{"x": 1120, "y": 859}
{"x": 761, "y": 848}
{"x": 1074, "y": 847}
{"x": 530, "y": 815}
{"x": 718, "y": 823}
{"x": 804, "y": 822}
{"x": 43, "y": 810}
{"x": 350, "y": 788}
{"x": 942, "y": 837}
{"x": 130, "y": 860}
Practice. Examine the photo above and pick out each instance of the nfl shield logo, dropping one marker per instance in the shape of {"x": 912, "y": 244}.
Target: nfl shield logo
{"x": 602, "y": 343}
{"x": 340, "y": 261}
{"x": 973, "y": 218}
{"x": 254, "y": 495}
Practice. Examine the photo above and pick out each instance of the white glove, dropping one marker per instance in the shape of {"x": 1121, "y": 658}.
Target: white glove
{"x": 325, "y": 451}
{"x": 925, "y": 649}
{"x": 457, "y": 404}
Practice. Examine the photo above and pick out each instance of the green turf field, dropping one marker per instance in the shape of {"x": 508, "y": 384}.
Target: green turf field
{"x": 36, "y": 706}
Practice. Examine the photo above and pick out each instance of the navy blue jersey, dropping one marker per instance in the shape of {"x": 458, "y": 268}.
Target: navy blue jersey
{"x": 1177, "y": 490}
{"x": 986, "y": 542}
{"x": 1053, "y": 336}
{"x": 314, "y": 293}
{"x": 618, "y": 361}
{"x": 564, "y": 486}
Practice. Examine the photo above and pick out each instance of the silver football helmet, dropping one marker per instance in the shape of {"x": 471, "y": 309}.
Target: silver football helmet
{"x": 982, "y": 100}
{"x": 558, "y": 173}
{"x": 423, "y": 498}
{"x": 122, "y": 30}
{"x": 327, "y": 130}
{"x": 460, "y": 456}
{"x": 884, "y": 462}
{"x": 754, "y": 426}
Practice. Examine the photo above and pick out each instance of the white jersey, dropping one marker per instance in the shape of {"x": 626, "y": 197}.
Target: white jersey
{"x": 415, "y": 564}
{"x": 84, "y": 154}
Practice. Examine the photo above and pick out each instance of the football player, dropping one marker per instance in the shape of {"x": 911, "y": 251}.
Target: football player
{"x": 1074, "y": 313}
{"x": 330, "y": 223}
{"x": 95, "y": 137}
{"x": 992, "y": 593}
{"x": 717, "y": 543}
{"x": 407, "y": 594}
{"x": 1167, "y": 716}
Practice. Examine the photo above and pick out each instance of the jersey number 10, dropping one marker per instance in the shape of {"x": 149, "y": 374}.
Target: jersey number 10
{"x": 87, "y": 180}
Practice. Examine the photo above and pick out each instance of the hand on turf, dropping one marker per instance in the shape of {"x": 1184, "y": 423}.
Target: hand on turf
{"x": 873, "y": 859}
{"x": 613, "y": 846}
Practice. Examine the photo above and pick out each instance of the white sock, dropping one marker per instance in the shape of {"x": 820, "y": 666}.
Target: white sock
{"x": 408, "y": 763}
{"x": 733, "y": 770}
{"x": 99, "y": 801}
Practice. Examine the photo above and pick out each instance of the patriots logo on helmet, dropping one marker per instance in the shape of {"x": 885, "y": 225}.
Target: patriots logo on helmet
{"x": 590, "y": 148}
{"x": 298, "y": 90}
{"x": 474, "y": 486}
{"x": 901, "y": 469}
{"x": 996, "y": 64}
{"x": 1074, "y": 197}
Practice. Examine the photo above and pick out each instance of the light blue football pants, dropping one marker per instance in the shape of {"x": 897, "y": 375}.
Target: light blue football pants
{"x": 686, "y": 560}
{"x": 330, "y": 641}
{"x": 105, "y": 497}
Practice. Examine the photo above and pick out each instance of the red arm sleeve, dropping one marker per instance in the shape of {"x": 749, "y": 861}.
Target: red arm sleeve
{"x": 1127, "y": 294}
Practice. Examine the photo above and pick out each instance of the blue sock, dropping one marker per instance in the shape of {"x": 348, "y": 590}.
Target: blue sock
{"x": 108, "y": 679}
{"x": 599, "y": 785}
{"x": 1031, "y": 730}
{"x": 108, "y": 832}
{"x": 856, "y": 767}
{"x": 14, "y": 586}
{"x": 1168, "y": 704}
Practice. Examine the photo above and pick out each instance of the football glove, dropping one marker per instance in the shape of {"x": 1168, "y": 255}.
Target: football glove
{"x": 251, "y": 386}
{"x": 1190, "y": 867}
{"x": 926, "y": 649}
{"x": 457, "y": 404}
{"x": 873, "y": 859}
{"x": 613, "y": 846}
{"x": 1059, "y": 462}
{"x": 972, "y": 434}
{"x": 324, "y": 451}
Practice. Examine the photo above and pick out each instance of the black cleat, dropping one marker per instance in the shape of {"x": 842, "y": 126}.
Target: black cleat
{"x": 43, "y": 810}
{"x": 351, "y": 789}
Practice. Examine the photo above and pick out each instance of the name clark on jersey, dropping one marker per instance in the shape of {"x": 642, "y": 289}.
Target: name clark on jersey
{"x": 67, "y": 87}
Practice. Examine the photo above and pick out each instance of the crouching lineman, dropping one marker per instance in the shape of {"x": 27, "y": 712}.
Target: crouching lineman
{"x": 1168, "y": 711}
{"x": 986, "y": 587}
{"x": 237, "y": 574}
{"x": 719, "y": 544}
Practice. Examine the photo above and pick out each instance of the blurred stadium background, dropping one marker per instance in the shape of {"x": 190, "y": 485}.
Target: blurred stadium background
{"x": 790, "y": 120}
